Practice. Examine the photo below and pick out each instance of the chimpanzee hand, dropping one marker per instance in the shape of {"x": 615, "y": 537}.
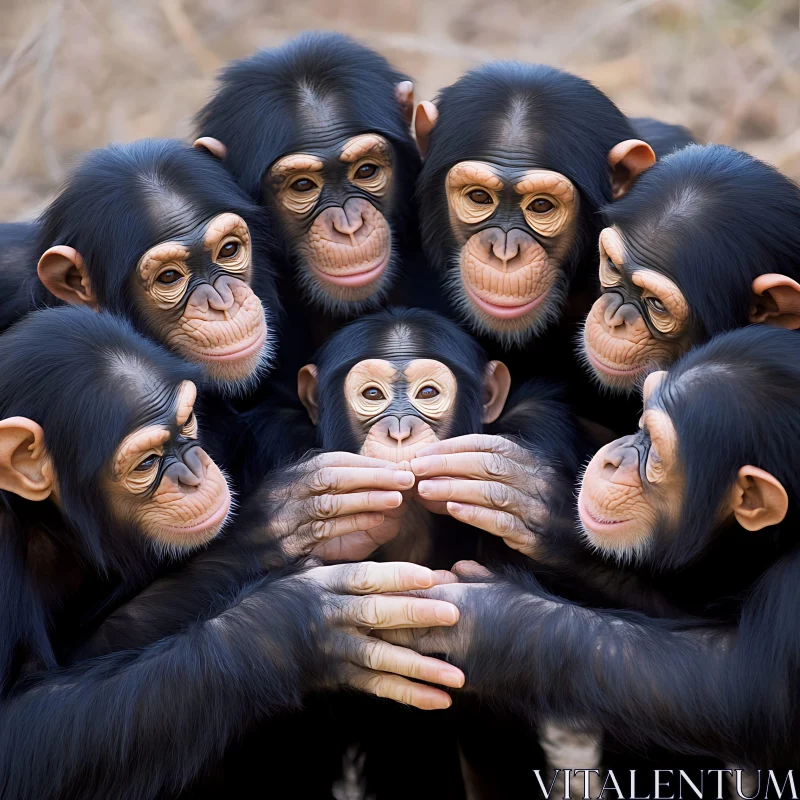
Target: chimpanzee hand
{"x": 338, "y": 506}
{"x": 489, "y": 482}
{"x": 354, "y": 606}
{"x": 472, "y": 597}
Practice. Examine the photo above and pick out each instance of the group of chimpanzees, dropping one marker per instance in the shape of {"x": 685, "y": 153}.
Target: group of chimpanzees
{"x": 403, "y": 358}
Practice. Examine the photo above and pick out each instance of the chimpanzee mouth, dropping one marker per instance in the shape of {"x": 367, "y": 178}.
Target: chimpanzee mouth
{"x": 362, "y": 278}
{"x": 614, "y": 372}
{"x": 505, "y": 311}
{"x": 240, "y": 351}
{"x": 593, "y": 523}
{"x": 214, "y": 519}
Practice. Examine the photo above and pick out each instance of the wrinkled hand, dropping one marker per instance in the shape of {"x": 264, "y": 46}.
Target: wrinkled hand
{"x": 488, "y": 482}
{"x": 355, "y": 604}
{"x": 470, "y": 597}
{"x": 338, "y": 506}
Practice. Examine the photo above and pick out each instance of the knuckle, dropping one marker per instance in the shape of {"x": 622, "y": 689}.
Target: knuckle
{"x": 499, "y": 495}
{"x": 370, "y": 654}
{"x": 362, "y": 579}
{"x": 368, "y": 612}
{"x": 495, "y": 465}
{"x": 319, "y": 530}
{"x": 323, "y": 480}
{"x": 324, "y": 506}
{"x": 505, "y": 523}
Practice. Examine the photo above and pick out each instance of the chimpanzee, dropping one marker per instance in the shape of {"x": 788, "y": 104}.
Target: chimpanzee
{"x": 318, "y": 130}
{"x": 661, "y": 136}
{"x": 18, "y": 294}
{"x": 103, "y": 479}
{"x": 701, "y": 504}
{"x": 393, "y": 386}
{"x": 677, "y": 265}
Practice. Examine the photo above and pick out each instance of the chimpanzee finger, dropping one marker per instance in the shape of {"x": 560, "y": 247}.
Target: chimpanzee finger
{"x": 328, "y": 506}
{"x": 369, "y": 577}
{"x": 308, "y": 536}
{"x": 498, "y": 523}
{"x": 380, "y": 656}
{"x": 385, "y": 611}
{"x": 471, "y": 570}
{"x": 350, "y": 479}
{"x": 343, "y": 459}
{"x": 402, "y": 690}
{"x": 489, "y": 494}
{"x": 481, "y": 466}
{"x": 473, "y": 443}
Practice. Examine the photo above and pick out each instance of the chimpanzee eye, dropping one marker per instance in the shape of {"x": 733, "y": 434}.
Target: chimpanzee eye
{"x": 427, "y": 393}
{"x": 373, "y": 393}
{"x": 655, "y": 304}
{"x": 148, "y": 463}
{"x": 480, "y": 197}
{"x": 229, "y": 250}
{"x": 366, "y": 171}
{"x": 540, "y": 206}
{"x": 303, "y": 185}
{"x": 169, "y": 276}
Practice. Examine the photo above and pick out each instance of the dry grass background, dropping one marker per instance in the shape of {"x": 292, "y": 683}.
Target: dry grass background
{"x": 77, "y": 74}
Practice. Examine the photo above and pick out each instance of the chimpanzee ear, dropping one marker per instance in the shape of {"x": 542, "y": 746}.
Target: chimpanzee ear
{"x": 424, "y": 120}
{"x": 650, "y": 384}
{"x": 63, "y": 272}
{"x": 777, "y": 301}
{"x": 404, "y": 92}
{"x": 214, "y": 146}
{"x": 497, "y": 384}
{"x": 307, "y": 390}
{"x": 759, "y": 499}
{"x": 25, "y": 467}
{"x": 628, "y": 160}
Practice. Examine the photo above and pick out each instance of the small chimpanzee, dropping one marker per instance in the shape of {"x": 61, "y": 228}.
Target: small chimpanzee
{"x": 679, "y": 262}
{"x": 18, "y": 293}
{"x": 318, "y": 130}
{"x": 102, "y": 478}
{"x": 385, "y": 390}
{"x": 702, "y": 505}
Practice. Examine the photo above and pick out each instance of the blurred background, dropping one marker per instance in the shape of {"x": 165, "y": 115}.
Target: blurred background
{"x": 77, "y": 74}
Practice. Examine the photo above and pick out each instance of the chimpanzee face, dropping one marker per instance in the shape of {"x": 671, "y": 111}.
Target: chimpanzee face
{"x": 161, "y": 481}
{"x": 514, "y": 228}
{"x": 194, "y": 293}
{"x": 640, "y": 323}
{"x": 334, "y": 199}
{"x": 398, "y": 407}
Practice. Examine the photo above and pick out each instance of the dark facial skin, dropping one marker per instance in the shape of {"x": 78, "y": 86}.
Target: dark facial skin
{"x": 514, "y": 226}
{"x": 162, "y": 480}
{"x": 333, "y": 197}
{"x": 193, "y": 288}
{"x": 640, "y": 323}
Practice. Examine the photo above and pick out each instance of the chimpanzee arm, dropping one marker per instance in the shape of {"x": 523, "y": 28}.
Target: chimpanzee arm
{"x": 130, "y": 724}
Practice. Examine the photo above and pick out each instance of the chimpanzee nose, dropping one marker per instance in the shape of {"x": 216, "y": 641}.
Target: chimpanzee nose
{"x": 399, "y": 428}
{"x": 186, "y": 472}
{"x": 615, "y": 455}
{"x": 617, "y": 312}
{"x": 348, "y": 219}
{"x": 505, "y": 247}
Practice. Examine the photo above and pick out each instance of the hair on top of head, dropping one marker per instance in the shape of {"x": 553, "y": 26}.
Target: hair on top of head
{"x": 713, "y": 219}
{"x": 552, "y": 119}
{"x": 734, "y": 401}
{"x": 121, "y": 200}
{"x": 263, "y": 103}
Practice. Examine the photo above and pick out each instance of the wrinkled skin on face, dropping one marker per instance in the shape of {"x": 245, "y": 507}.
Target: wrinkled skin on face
{"x": 514, "y": 229}
{"x": 640, "y": 323}
{"x": 334, "y": 202}
{"x": 194, "y": 292}
{"x": 163, "y": 482}
{"x": 397, "y": 408}
{"x": 633, "y": 485}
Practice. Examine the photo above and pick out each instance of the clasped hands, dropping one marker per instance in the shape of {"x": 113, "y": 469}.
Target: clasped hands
{"x": 342, "y": 506}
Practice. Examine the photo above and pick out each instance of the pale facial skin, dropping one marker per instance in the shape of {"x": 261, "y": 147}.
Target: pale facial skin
{"x": 514, "y": 228}
{"x": 640, "y": 323}
{"x": 195, "y": 293}
{"x": 165, "y": 484}
{"x": 334, "y": 202}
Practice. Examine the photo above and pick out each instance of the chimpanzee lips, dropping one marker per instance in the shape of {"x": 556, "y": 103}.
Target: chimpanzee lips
{"x": 361, "y": 278}
{"x": 594, "y": 523}
{"x": 615, "y": 372}
{"x": 505, "y": 311}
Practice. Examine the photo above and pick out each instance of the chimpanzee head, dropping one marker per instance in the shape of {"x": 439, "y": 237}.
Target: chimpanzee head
{"x": 97, "y": 425}
{"x": 395, "y": 381}
{"x": 318, "y": 131}
{"x": 519, "y": 161}
{"x": 716, "y": 451}
{"x": 708, "y": 240}
{"x": 160, "y": 233}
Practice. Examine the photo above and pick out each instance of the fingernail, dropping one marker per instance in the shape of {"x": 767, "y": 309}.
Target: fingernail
{"x": 454, "y": 507}
{"x": 417, "y": 466}
{"x": 451, "y": 677}
{"x": 442, "y": 703}
{"x": 404, "y": 478}
{"x": 394, "y": 499}
{"x": 424, "y": 487}
{"x": 424, "y": 578}
{"x": 448, "y": 614}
